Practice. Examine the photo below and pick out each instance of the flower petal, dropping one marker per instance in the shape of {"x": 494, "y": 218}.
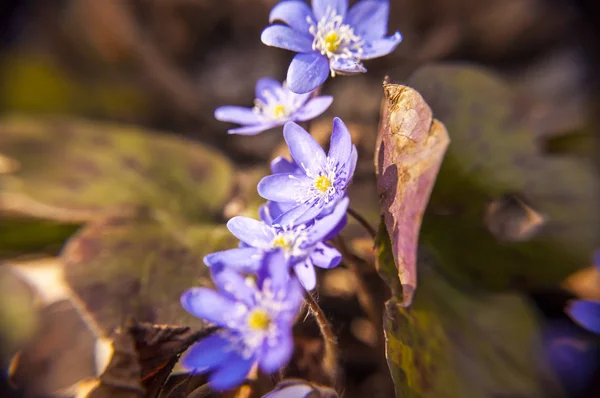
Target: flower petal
{"x": 325, "y": 256}
{"x": 282, "y": 187}
{"x": 307, "y": 71}
{"x": 313, "y": 108}
{"x": 287, "y": 38}
{"x": 381, "y": 47}
{"x": 292, "y": 13}
{"x": 304, "y": 213}
{"x": 276, "y": 268}
{"x": 236, "y": 114}
{"x": 305, "y": 271}
{"x": 232, "y": 373}
{"x": 232, "y": 283}
{"x": 278, "y": 354}
{"x": 254, "y": 129}
{"x": 586, "y": 313}
{"x": 266, "y": 84}
{"x": 348, "y": 67}
{"x": 351, "y": 164}
{"x": 340, "y": 146}
{"x": 323, "y": 227}
{"x": 320, "y": 7}
{"x": 369, "y": 19}
{"x": 307, "y": 152}
{"x": 244, "y": 260}
{"x": 248, "y": 230}
{"x": 207, "y": 354}
{"x": 276, "y": 209}
{"x": 207, "y": 304}
{"x": 282, "y": 165}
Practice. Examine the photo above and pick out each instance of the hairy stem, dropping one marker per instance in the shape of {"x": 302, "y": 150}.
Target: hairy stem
{"x": 361, "y": 220}
{"x": 330, "y": 356}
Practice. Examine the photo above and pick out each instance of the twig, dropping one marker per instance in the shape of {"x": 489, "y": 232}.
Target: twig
{"x": 361, "y": 220}
{"x": 364, "y": 296}
{"x": 330, "y": 355}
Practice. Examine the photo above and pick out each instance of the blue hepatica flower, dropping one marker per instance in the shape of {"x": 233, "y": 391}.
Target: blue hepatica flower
{"x": 274, "y": 105}
{"x": 587, "y": 312}
{"x": 257, "y": 322}
{"x": 329, "y": 39}
{"x": 302, "y": 245}
{"x": 321, "y": 181}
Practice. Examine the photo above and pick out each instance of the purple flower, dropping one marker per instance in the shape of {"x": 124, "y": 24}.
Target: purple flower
{"x": 329, "y": 38}
{"x": 302, "y": 245}
{"x": 257, "y": 322}
{"x": 274, "y": 105}
{"x": 587, "y": 312}
{"x": 315, "y": 189}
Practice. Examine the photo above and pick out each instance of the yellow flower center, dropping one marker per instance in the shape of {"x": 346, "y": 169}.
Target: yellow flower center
{"x": 322, "y": 183}
{"x": 281, "y": 242}
{"x": 259, "y": 320}
{"x": 279, "y": 111}
{"x": 332, "y": 42}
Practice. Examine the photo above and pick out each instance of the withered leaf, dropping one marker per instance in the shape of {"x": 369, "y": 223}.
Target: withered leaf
{"x": 410, "y": 148}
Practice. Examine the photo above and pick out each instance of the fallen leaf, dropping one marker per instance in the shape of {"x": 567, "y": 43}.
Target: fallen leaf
{"x": 410, "y": 148}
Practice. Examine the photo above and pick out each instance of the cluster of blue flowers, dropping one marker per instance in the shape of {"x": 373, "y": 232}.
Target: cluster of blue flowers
{"x": 261, "y": 284}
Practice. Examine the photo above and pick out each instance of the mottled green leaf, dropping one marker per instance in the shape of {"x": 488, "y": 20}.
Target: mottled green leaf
{"x": 494, "y": 159}
{"x": 124, "y": 267}
{"x": 71, "y": 170}
{"x": 22, "y": 235}
{"x": 453, "y": 343}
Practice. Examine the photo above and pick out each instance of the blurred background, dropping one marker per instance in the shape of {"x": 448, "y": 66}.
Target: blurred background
{"x": 167, "y": 64}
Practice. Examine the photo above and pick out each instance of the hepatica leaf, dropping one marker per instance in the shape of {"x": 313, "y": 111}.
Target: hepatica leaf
{"x": 124, "y": 267}
{"x": 410, "y": 149}
{"x": 72, "y": 170}
{"x": 502, "y": 213}
{"x": 453, "y": 343}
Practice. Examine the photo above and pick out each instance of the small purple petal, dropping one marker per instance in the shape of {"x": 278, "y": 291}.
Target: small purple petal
{"x": 277, "y": 355}
{"x": 276, "y": 209}
{"x": 325, "y": 256}
{"x": 236, "y": 114}
{"x": 380, "y": 47}
{"x": 232, "y": 283}
{"x": 207, "y": 304}
{"x": 348, "y": 67}
{"x": 276, "y": 268}
{"x": 323, "y": 227}
{"x": 254, "y": 129}
{"x": 232, "y": 373}
{"x": 340, "y": 146}
{"x": 320, "y": 7}
{"x": 586, "y": 313}
{"x": 313, "y": 108}
{"x": 244, "y": 260}
{"x": 351, "y": 164}
{"x": 369, "y": 18}
{"x": 305, "y": 271}
{"x": 207, "y": 354}
{"x": 287, "y": 38}
{"x": 282, "y": 165}
{"x": 303, "y": 214}
{"x": 248, "y": 230}
{"x": 282, "y": 187}
{"x": 266, "y": 84}
{"x": 307, "y": 152}
{"x": 292, "y": 13}
{"x": 295, "y": 391}
{"x": 307, "y": 71}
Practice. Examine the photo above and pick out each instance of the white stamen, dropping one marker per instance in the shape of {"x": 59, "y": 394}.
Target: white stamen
{"x": 335, "y": 39}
